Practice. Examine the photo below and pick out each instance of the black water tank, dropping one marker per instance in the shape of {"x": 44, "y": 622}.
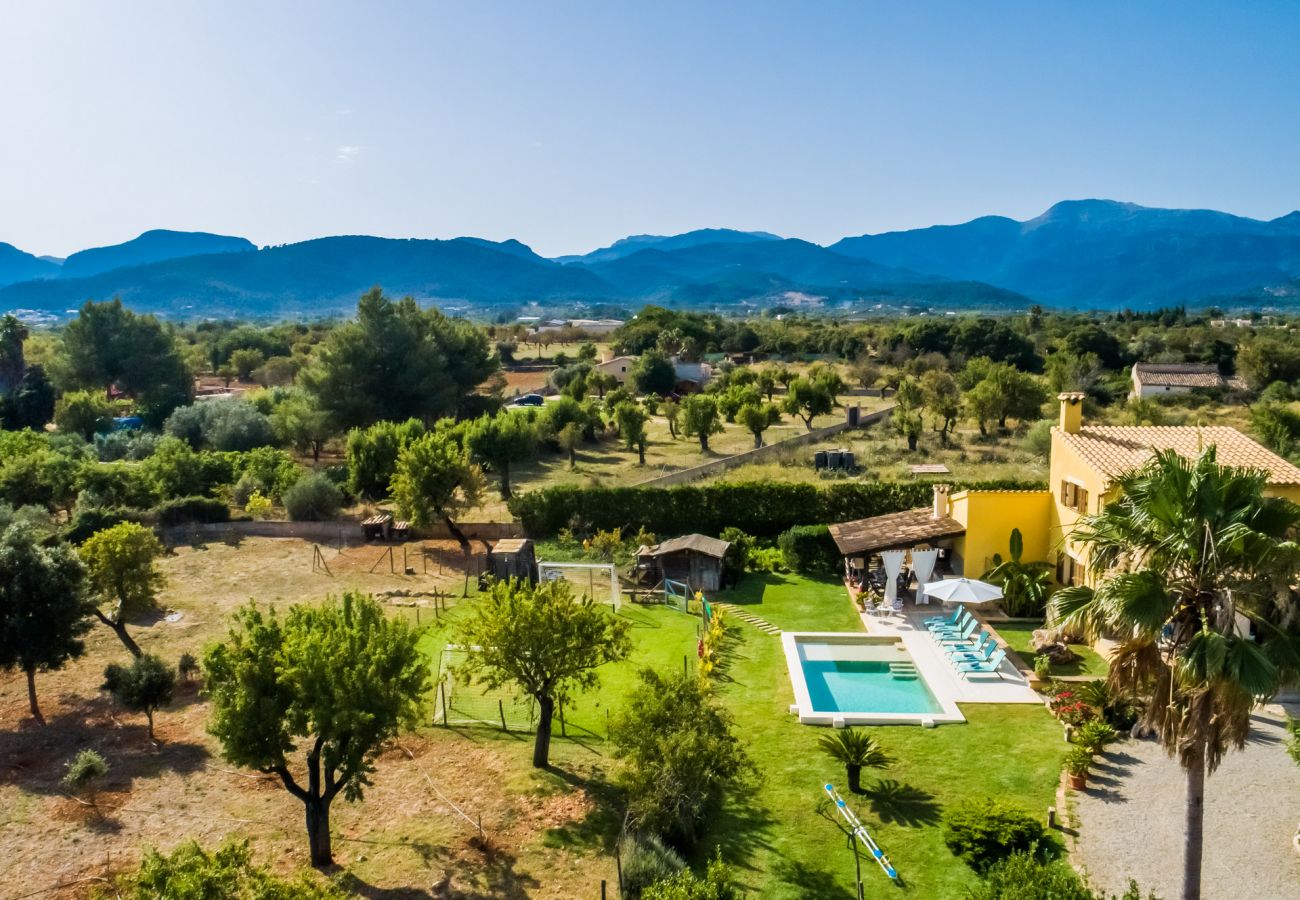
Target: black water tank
{"x": 854, "y": 413}
{"x": 832, "y": 459}
{"x": 819, "y": 460}
{"x": 847, "y": 460}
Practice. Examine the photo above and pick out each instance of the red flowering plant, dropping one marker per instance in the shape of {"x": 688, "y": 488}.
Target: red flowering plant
{"x": 1067, "y": 707}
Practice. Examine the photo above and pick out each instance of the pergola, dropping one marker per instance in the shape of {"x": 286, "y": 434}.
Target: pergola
{"x": 892, "y": 537}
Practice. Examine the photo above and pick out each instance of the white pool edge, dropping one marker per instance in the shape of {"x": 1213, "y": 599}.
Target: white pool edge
{"x": 803, "y": 701}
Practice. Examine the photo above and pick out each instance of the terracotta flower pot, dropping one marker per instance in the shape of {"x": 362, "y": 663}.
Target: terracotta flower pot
{"x": 1078, "y": 782}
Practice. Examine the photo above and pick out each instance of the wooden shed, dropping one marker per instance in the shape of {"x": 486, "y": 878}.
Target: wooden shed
{"x": 693, "y": 558}
{"x": 513, "y": 558}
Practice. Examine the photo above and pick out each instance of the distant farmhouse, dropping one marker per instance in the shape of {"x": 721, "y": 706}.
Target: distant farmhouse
{"x": 691, "y": 376}
{"x": 1156, "y": 379}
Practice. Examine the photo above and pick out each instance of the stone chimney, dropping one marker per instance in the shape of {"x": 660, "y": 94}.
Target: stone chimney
{"x": 1071, "y": 411}
{"x": 940, "y": 509}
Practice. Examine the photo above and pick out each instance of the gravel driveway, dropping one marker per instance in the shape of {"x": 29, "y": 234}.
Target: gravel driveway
{"x": 1131, "y": 819}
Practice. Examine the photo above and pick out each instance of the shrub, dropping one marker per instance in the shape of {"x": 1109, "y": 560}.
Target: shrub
{"x": 717, "y": 884}
{"x": 981, "y": 832}
{"x": 372, "y": 455}
{"x": 314, "y": 498}
{"x": 258, "y": 506}
{"x": 647, "y": 859}
{"x": 1023, "y": 877}
{"x": 1094, "y": 735}
{"x": 809, "y": 549}
{"x": 192, "y": 873}
{"x": 143, "y": 686}
{"x": 187, "y": 666}
{"x": 680, "y": 756}
{"x": 1043, "y": 666}
{"x": 734, "y": 563}
{"x": 221, "y": 425}
{"x": 84, "y": 772}
{"x": 184, "y": 510}
{"x": 89, "y": 519}
{"x": 1077, "y": 761}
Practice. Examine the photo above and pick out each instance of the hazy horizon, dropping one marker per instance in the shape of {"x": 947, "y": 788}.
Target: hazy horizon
{"x": 569, "y": 127}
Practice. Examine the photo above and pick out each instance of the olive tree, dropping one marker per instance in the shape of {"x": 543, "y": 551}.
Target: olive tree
{"x": 542, "y": 639}
{"x": 333, "y": 681}
{"x": 699, "y": 419}
{"x": 434, "y": 481}
{"x": 500, "y": 441}
{"x": 144, "y": 686}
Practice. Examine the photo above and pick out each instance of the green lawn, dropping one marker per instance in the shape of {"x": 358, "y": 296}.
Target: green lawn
{"x": 779, "y": 837}
{"x": 1020, "y": 634}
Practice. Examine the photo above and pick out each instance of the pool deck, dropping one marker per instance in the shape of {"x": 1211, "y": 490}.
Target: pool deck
{"x": 944, "y": 681}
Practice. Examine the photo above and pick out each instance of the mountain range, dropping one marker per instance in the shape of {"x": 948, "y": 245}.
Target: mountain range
{"x": 1089, "y": 254}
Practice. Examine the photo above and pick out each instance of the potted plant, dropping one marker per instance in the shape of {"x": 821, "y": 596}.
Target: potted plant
{"x": 1077, "y": 763}
{"x": 856, "y": 749}
{"x": 1094, "y": 735}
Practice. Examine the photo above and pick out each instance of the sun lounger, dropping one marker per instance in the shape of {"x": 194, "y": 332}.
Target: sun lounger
{"x": 961, "y": 637}
{"x": 972, "y": 652}
{"x": 962, "y": 621}
{"x": 941, "y": 621}
{"x": 988, "y": 666}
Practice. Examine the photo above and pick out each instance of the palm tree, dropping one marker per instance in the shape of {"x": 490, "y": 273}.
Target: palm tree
{"x": 1024, "y": 585}
{"x": 1189, "y": 552}
{"x": 856, "y": 749}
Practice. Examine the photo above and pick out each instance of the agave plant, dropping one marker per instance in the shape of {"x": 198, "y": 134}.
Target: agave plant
{"x": 856, "y": 749}
{"x": 1024, "y": 584}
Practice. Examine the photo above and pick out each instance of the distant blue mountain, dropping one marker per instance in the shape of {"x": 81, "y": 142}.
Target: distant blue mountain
{"x": 1100, "y": 253}
{"x": 638, "y": 242}
{"x": 150, "y": 247}
{"x": 15, "y": 265}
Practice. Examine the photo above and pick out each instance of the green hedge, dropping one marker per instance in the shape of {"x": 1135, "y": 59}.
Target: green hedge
{"x": 809, "y": 550}
{"x": 764, "y": 509}
{"x": 184, "y": 510}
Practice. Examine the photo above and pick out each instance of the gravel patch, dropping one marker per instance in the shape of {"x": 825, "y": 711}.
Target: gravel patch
{"x": 1131, "y": 819}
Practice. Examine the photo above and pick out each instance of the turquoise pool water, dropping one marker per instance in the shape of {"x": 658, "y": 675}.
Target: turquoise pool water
{"x": 864, "y": 685}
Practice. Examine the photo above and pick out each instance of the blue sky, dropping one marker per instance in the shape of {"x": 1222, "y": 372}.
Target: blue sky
{"x": 568, "y": 125}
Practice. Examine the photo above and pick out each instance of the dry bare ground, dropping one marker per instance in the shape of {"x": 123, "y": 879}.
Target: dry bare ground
{"x": 403, "y": 840}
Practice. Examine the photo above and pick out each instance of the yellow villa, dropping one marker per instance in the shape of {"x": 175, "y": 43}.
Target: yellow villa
{"x": 969, "y": 527}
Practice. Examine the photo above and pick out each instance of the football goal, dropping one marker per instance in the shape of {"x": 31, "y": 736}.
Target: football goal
{"x": 599, "y": 581}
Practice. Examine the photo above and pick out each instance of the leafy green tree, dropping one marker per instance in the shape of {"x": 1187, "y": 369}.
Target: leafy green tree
{"x": 1188, "y": 551}
{"x": 301, "y": 424}
{"x": 807, "y": 400}
{"x": 144, "y": 686}
{"x": 542, "y": 639}
{"x": 227, "y": 424}
{"x": 672, "y": 414}
{"x": 396, "y": 361}
{"x": 192, "y": 873}
{"x": 313, "y": 498}
{"x": 654, "y": 373}
{"x": 178, "y": 471}
{"x": 109, "y": 346}
{"x": 1267, "y": 358}
{"x": 1024, "y": 584}
{"x": 435, "y": 481}
{"x": 1277, "y": 426}
{"x": 244, "y": 361}
{"x": 680, "y": 755}
{"x": 341, "y": 677}
{"x": 942, "y": 397}
{"x": 43, "y": 609}
{"x": 632, "y": 420}
{"x": 757, "y": 418}
{"x": 500, "y": 441}
{"x": 372, "y": 455}
{"x": 32, "y": 403}
{"x": 13, "y": 361}
{"x": 569, "y": 439}
{"x": 120, "y": 570}
{"x": 700, "y": 419}
{"x": 83, "y": 413}
{"x": 767, "y": 382}
{"x": 856, "y": 750}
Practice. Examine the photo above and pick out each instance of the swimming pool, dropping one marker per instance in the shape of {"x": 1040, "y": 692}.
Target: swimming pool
{"x": 856, "y": 679}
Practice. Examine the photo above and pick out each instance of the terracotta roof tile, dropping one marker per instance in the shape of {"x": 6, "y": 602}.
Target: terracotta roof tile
{"x": 900, "y": 529}
{"x": 1115, "y": 449}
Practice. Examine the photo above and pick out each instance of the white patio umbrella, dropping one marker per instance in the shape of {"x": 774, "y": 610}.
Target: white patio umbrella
{"x": 963, "y": 590}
